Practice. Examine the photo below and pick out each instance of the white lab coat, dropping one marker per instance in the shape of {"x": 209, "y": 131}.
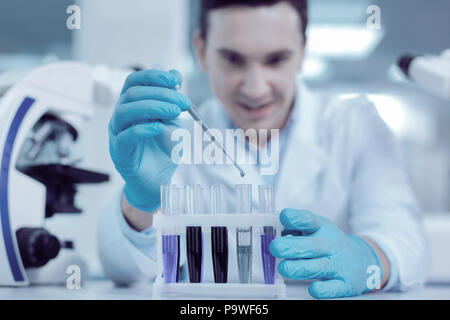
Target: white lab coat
{"x": 340, "y": 161}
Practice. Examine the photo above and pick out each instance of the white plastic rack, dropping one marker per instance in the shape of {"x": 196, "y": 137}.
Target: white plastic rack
{"x": 207, "y": 289}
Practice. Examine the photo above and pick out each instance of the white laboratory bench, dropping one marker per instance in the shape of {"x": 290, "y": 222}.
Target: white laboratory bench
{"x": 102, "y": 289}
{"x": 437, "y": 226}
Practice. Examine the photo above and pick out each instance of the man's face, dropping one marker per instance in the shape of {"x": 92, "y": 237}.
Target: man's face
{"x": 252, "y": 55}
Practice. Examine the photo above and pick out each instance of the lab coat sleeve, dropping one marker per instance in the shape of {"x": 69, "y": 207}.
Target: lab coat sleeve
{"x": 127, "y": 256}
{"x": 382, "y": 205}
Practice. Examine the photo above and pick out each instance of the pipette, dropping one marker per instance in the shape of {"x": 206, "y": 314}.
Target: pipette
{"x": 194, "y": 114}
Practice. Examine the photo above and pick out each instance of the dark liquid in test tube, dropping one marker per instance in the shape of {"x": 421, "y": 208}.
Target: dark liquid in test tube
{"x": 219, "y": 235}
{"x": 219, "y": 239}
{"x": 194, "y": 248}
{"x": 194, "y": 235}
{"x": 171, "y": 257}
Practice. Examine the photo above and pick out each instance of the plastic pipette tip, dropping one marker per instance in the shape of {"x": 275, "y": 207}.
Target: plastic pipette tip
{"x": 242, "y": 174}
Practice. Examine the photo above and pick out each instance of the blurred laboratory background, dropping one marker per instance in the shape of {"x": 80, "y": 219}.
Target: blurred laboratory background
{"x": 343, "y": 57}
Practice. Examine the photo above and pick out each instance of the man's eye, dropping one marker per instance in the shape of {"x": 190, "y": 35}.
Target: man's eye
{"x": 275, "y": 61}
{"x": 235, "y": 60}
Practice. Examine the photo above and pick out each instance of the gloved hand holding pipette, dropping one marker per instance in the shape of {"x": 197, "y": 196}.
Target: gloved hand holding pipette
{"x": 326, "y": 253}
{"x": 148, "y": 104}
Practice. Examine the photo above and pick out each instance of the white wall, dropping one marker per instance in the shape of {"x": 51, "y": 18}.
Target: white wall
{"x": 123, "y": 32}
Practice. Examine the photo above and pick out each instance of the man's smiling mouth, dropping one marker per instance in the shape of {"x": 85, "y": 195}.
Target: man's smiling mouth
{"x": 258, "y": 107}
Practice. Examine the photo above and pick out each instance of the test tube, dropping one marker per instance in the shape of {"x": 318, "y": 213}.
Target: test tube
{"x": 170, "y": 205}
{"x": 219, "y": 235}
{"x": 244, "y": 233}
{"x": 194, "y": 235}
{"x": 267, "y": 206}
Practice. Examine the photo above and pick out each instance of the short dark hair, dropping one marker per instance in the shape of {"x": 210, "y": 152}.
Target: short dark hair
{"x": 301, "y": 6}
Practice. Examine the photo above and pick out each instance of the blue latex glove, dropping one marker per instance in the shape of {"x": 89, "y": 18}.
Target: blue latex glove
{"x": 340, "y": 262}
{"x": 146, "y": 110}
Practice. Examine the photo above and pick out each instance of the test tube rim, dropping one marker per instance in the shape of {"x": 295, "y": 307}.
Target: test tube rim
{"x": 222, "y": 188}
{"x": 170, "y": 187}
{"x": 266, "y": 186}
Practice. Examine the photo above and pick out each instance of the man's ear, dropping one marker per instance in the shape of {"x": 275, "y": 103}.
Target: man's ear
{"x": 200, "y": 49}
{"x": 302, "y": 56}
{"x": 301, "y": 60}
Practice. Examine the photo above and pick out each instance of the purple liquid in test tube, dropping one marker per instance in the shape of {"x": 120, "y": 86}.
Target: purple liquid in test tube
{"x": 171, "y": 257}
{"x": 170, "y": 205}
{"x": 267, "y": 259}
{"x": 267, "y": 205}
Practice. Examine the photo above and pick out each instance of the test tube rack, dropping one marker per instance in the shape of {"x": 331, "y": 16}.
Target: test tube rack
{"x": 211, "y": 289}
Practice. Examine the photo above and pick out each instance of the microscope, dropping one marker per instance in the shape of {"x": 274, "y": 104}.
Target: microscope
{"x": 431, "y": 73}
{"x": 41, "y": 116}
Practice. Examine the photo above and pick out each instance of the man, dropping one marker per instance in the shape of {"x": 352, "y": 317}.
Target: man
{"x": 339, "y": 170}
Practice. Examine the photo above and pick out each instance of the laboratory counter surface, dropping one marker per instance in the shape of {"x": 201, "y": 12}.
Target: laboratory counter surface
{"x": 102, "y": 289}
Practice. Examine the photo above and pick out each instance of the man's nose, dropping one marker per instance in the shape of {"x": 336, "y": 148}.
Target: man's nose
{"x": 255, "y": 86}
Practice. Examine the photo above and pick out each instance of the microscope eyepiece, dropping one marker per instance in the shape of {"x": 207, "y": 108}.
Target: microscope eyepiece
{"x": 404, "y": 63}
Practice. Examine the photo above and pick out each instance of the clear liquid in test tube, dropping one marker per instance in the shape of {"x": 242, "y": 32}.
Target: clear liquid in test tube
{"x": 267, "y": 206}
{"x": 194, "y": 234}
{"x": 244, "y": 244}
{"x": 170, "y": 205}
{"x": 219, "y": 235}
